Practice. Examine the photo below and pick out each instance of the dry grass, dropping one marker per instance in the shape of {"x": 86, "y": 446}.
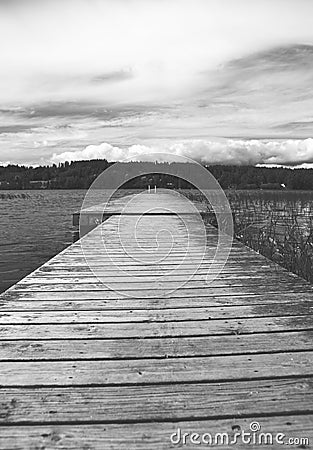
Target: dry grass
{"x": 13, "y": 195}
{"x": 278, "y": 225}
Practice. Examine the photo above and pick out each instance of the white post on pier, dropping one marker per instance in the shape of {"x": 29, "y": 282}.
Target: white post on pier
{"x": 154, "y": 189}
{"x": 149, "y": 189}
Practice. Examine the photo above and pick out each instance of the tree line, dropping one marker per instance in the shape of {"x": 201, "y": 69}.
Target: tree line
{"x": 81, "y": 174}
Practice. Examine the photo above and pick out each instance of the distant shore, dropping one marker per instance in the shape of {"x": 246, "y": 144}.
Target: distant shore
{"x": 81, "y": 175}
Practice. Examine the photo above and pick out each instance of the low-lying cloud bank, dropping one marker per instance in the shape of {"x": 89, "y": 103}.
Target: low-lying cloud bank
{"x": 228, "y": 151}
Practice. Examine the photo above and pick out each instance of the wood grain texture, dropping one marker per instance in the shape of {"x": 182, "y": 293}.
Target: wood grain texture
{"x": 93, "y": 301}
{"x": 145, "y": 436}
{"x": 82, "y": 349}
{"x": 155, "y": 403}
{"x": 119, "y": 340}
{"x": 112, "y": 315}
{"x": 155, "y": 371}
{"x": 209, "y": 327}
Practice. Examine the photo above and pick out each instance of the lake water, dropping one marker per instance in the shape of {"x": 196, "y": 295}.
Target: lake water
{"x": 33, "y": 229}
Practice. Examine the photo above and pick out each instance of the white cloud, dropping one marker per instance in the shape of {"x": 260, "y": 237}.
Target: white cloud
{"x": 132, "y": 71}
{"x": 222, "y": 151}
{"x": 54, "y": 49}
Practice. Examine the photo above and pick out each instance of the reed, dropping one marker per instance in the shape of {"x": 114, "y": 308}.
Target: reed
{"x": 276, "y": 224}
{"x": 14, "y": 195}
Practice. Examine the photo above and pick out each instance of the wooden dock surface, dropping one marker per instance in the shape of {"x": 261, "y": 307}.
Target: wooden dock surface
{"x": 117, "y": 346}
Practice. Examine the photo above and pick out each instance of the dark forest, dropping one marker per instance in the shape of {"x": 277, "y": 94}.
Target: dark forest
{"x": 81, "y": 174}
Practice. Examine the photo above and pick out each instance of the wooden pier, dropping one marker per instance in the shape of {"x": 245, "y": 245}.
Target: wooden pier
{"x": 123, "y": 354}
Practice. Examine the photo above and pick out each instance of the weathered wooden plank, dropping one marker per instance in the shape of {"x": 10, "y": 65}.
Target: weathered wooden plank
{"x": 153, "y": 436}
{"x": 154, "y": 315}
{"x": 215, "y": 261}
{"x": 192, "y": 295}
{"x": 108, "y": 254}
{"x": 84, "y": 271}
{"x": 208, "y": 327}
{"x": 80, "y": 349}
{"x": 162, "y": 287}
{"x": 156, "y": 403}
{"x": 155, "y": 371}
{"x": 98, "y": 258}
{"x": 232, "y": 262}
{"x": 145, "y": 279}
{"x": 94, "y": 301}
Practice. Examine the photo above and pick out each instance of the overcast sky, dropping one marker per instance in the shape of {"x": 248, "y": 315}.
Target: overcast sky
{"x": 224, "y": 81}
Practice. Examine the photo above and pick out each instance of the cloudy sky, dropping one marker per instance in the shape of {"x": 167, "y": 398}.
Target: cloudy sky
{"x": 224, "y": 81}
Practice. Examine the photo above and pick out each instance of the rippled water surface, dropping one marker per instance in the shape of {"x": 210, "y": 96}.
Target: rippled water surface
{"x": 33, "y": 228}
